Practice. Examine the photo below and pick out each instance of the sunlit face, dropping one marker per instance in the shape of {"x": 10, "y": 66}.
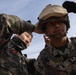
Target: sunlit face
{"x": 56, "y": 28}
{"x": 26, "y": 38}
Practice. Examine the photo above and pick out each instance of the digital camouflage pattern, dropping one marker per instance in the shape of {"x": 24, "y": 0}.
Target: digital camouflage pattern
{"x": 12, "y": 24}
{"x": 11, "y": 61}
{"x": 57, "y": 61}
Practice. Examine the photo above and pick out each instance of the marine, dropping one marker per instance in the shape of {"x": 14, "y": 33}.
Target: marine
{"x": 12, "y": 62}
{"x": 59, "y": 54}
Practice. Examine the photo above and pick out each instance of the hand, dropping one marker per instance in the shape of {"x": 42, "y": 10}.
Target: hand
{"x": 36, "y": 29}
{"x": 47, "y": 40}
{"x": 70, "y": 6}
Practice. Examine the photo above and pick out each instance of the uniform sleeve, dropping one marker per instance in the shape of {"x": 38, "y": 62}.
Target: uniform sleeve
{"x": 15, "y": 24}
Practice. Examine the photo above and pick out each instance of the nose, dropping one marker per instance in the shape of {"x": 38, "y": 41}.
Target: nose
{"x": 57, "y": 25}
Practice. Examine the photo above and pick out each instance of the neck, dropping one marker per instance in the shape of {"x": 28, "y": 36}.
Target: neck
{"x": 59, "y": 42}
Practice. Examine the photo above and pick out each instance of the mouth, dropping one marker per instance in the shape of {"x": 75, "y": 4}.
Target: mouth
{"x": 58, "y": 31}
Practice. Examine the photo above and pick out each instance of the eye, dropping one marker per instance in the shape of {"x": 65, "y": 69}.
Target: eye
{"x": 49, "y": 24}
{"x": 60, "y": 23}
{"x": 27, "y": 35}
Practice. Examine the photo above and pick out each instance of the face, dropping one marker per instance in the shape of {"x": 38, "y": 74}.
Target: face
{"x": 56, "y": 29}
{"x": 26, "y": 38}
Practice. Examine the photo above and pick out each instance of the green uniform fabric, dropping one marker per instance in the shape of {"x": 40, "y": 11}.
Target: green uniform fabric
{"x": 12, "y": 24}
{"x": 11, "y": 61}
{"x": 57, "y": 61}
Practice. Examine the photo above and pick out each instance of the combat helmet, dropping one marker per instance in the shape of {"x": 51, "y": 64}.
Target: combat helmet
{"x": 52, "y": 11}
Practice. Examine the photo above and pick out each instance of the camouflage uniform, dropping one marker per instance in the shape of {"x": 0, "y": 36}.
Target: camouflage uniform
{"x": 12, "y": 24}
{"x": 11, "y": 61}
{"x": 57, "y": 61}
{"x": 53, "y": 60}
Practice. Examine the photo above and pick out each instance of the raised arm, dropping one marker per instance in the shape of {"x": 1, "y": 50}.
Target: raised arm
{"x": 15, "y": 24}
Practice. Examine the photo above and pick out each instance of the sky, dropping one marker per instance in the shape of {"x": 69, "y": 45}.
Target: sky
{"x": 30, "y": 10}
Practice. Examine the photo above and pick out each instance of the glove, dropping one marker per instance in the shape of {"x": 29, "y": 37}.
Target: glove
{"x": 70, "y": 6}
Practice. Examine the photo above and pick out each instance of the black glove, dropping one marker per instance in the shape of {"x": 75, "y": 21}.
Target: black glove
{"x": 70, "y": 6}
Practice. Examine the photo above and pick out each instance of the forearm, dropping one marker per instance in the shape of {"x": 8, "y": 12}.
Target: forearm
{"x": 21, "y": 26}
{"x": 15, "y": 24}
